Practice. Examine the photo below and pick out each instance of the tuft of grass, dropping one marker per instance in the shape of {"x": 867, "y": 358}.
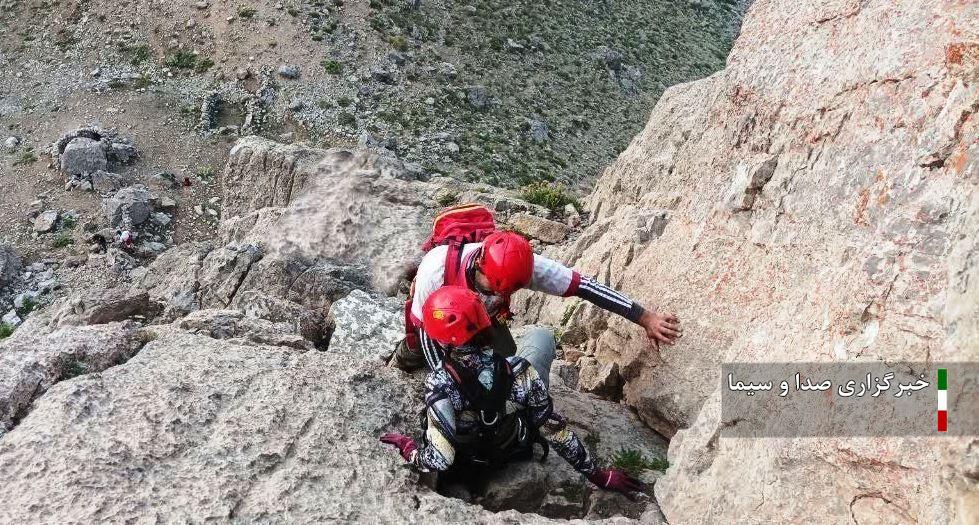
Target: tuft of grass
{"x": 568, "y": 312}
{"x": 73, "y": 369}
{"x": 182, "y": 60}
{"x": 551, "y": 196}
{"x": 142, "y": 82}
{"x": 573, "y": 491}
{"x": 29, "y": 306}
{"x": 247, "y": 13}
{"x": 140, "y": 54}
{"x": 398, "y": 42}
{"x": 62, "y": 240}
{"x": 635, "y": 463}
{"x": 332, "y": 67}
{"x": 204, "y": 64}
{"x": 26, "y": 157}
{"x": 448, "y": 198}
{"x": 6, "y": 330}
{"x": 205, "y": 173}
{"x": 346, "y": 119}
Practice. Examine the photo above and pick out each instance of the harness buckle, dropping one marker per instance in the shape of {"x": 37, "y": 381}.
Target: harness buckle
{"x": 482, "y": 417}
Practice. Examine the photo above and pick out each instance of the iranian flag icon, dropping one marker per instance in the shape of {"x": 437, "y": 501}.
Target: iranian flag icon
{"x": 943, "y": 400}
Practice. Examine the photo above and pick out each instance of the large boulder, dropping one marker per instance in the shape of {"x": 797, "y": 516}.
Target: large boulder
{"x": 129, "y": 207}
{"x": 90, "y": 149}
{"x": 30, "y": 363}
{"x": 203, "y": 428}
{"x": 817, "y": 203}
{"x": 83, "y": 155}
{"x": 356, "y": 208}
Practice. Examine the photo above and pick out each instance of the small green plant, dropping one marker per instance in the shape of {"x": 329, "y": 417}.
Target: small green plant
{"x": 73, "y": 369}
{"x": 62, "y": 240}
{"x": 141, "y": 82}
{"x": 332, "y": 67}
{"x": 573, "y": 491}
{"x": 182, "y": 60}
{"x": 27, "y": 157}
{"x": 205, "y": 173}
{"x": 6, "y": 330}
{"x": 69, "y": 221}
{"x": 398, "y": 42}
{"x": 247, "y": 12}
{"x": 448, "y": 198}
{"x": 292, "y": 11}
{"x": 140, "y": 54}
{"x": 344, "y": 102}
{"x": 551, "y": 196}
{"x": 635, "y": 463}
{"x": 568, "y": 312}
{"x": 147, "y": 336}
{"x": 27, "y": 307}
{"x": 116, "y": 83}
{"x": 346, "y": 119}
{"x": 204, "y": 64}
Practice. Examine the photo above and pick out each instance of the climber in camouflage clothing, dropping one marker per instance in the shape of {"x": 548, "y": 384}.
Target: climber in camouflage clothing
{"x": 485, "y": 409}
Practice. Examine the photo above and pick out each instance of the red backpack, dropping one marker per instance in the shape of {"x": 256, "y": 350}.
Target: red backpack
{"x": 454, "y": 227}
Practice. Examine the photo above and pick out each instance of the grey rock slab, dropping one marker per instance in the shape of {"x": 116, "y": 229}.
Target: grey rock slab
{"x": 83, "y": 155}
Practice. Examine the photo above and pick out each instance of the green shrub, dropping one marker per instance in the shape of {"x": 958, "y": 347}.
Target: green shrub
{"x": 68, "y": 222}
{"x": 398, "y": 42}
{"x": 204, "y": 64}
{"x": 140, "y": 54}
{"x": 346, "y": 119}
{"x": 332, "y": 67}
{"x": 62, "y": 240}
{"x": 551, "y": 196}
{"x": 247, "y": 12}
{"x": 73, "y": 369}
{"x": 27, "y": 157}
{"x": 182, "y": 60}
{"x": 447, "y": 199}
{"x": 27, "y": 307}
{"x": 635, "y": 463}
{"x": 344, "y": 102}
{"x": 6, "y": 330}
{"x": 142, "y": 82}
{"x": 205, "y": 173}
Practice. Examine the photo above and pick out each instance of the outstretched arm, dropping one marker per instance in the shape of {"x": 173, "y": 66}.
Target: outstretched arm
{"x": 529, "y": 390}
{"x": 532, "y": 392}
{"x": 555, "y": 278}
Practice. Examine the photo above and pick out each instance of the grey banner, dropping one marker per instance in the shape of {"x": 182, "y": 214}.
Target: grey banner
{"x": 847, "y": 399}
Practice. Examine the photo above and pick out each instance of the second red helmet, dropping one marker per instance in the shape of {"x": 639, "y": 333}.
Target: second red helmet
{"x": 452, "y": 315}
{"x": 508, "y": 262}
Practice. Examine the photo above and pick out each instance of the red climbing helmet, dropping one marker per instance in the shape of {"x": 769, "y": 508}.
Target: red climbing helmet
{"x": 452, "y": 315}
{"x": 508, "y": 262}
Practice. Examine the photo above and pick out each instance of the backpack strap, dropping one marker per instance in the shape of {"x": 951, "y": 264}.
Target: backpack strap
{"x": 453, "y": 264}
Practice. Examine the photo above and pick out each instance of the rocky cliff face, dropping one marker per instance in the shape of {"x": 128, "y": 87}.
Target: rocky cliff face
{"x": 244, "y": 379}
{"x": 814, "y": 201}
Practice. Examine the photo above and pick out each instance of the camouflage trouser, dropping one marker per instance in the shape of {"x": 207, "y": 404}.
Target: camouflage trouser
{"x": 501, "y": 341}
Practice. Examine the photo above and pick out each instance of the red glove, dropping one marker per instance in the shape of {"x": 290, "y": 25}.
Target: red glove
{"x": 615, "y": 479}
{"x": 406, "y": 446}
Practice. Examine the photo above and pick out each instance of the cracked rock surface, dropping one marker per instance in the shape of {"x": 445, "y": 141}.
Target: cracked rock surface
{"x": 818, "y": 203}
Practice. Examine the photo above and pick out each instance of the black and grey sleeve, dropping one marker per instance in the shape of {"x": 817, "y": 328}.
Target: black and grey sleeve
{"x": 608, "y": 299}
{"x": 431, "y": 350}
